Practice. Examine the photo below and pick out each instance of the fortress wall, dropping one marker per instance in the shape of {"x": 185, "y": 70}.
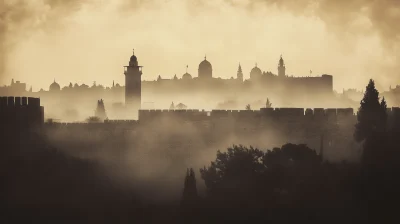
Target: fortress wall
{"x": 274, "y": 113}
{"x": 21, "y": 111}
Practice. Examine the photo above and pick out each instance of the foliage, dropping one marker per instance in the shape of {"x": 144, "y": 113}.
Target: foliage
{"x": 93, "y": 119}
{"x": 189, "y": 189}
{"x": 100, "y": 110}
{"x": 248, "y": 107}
{"x": 371, "y": 126}
{"x": 268, "y": 104}
{"x": 371, "y": 115}
{"x": 241, "y": 165}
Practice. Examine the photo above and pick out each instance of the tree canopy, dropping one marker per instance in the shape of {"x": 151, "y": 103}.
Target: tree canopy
{"x": 371, "y": 116}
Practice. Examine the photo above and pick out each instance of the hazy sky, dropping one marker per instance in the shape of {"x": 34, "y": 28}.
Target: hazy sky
{"x": 91, "y": 40}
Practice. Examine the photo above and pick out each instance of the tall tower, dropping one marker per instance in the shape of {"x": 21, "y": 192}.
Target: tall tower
{"x": 133, "y": 84}
{"x": 281, "y": 68}
{"x": 240, "y": 74}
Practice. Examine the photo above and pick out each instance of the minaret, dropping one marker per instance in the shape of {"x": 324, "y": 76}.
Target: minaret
{"x": 240, "y": 74}
{"x": 133, "y": 85}
{"x": 281, "y": 68}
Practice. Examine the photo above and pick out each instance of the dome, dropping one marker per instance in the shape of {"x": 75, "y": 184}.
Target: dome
{"x": 256, "y": 70}
{"x": 133, "y": 60}
{"x": 205, "y": 69}
{"x": 54, "y": 86}
{"x": 186, "y": 76}
{"x": 205, "y": 65}
{"x": 255, "y": 73}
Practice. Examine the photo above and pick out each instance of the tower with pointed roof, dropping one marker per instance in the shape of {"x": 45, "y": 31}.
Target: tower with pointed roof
{"x": 281, "y": 68}
{"x": 133, "y": 84}
{"x": 240, "y": 74}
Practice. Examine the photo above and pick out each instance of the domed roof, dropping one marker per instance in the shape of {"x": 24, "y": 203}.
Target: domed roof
{"x": 133, "y": 58}
{"x": 54, "y": 86}
{"x": 255, "y": 73}
{"x": 205, "y": 64}
{"x": 255, "y": 70}
{"x": 186, "y": 76}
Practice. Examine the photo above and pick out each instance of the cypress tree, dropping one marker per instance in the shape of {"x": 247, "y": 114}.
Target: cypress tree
{"x": 190, "y": 188}
{"x": 101, "y": 110}
{"x": 371, "y": 122}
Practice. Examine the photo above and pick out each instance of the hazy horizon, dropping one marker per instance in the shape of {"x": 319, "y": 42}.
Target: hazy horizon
{"x": 87, "y": 41}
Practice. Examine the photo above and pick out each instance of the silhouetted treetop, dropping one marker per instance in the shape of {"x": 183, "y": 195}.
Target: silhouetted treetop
{"x": 371, "y": 115}
{"x": 291, "y": 155}
{"x": 239, "y": 165}
{"x": 93, "y": 119}
{"x": 268, "y": 104}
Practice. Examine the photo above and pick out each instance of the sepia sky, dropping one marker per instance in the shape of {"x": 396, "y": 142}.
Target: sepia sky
{"x": 82, "y": 41}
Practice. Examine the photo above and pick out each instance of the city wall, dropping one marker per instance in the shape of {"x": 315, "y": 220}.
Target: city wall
{"x": 20, "y": 112}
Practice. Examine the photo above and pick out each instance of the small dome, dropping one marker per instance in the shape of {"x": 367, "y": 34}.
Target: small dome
{"x": 186, "y": 76}
{"x": 133, "y": 60}
{"x": 256, "y": 70}
{"x": 54, "y": 86}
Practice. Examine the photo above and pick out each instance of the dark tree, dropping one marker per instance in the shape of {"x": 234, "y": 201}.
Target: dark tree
{"x": 371, "y": 124}
{"x": 93, "y": 119}
{"x": 249, "y": 181}
{"x": 101, "y": 110}
{"x": 233, "y": 168}
{"x": 248, "y": 107}
{"x": 190, "y": 188}
{"x": 371, "y": 115}
{"x": 268, "y": 104}
{"x": 291, "y": 155}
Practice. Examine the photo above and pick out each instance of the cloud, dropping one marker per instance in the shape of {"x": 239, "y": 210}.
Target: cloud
{"x": 363, "y": 31}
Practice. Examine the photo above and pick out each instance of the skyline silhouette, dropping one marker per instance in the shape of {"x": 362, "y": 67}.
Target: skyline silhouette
{"x": 199, "y": 111}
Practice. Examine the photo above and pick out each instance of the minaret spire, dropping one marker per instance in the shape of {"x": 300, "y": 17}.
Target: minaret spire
{"x": 187, "y": 68}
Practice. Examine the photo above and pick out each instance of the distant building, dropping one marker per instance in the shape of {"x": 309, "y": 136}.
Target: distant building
{"x": 133, "y": 85}
{"x": 54, "y": 87}
{"x": 15, "y": 88}
{"x": 285, "y": 90}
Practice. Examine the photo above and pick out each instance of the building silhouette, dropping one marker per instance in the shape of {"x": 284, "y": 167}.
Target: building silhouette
{"x": 206, "y": 89}
{"x": 133, "y": 85}
{"x": 205, "y": 70}
{"x": 20, "y": 113}
{"x": 54, "y": 87}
